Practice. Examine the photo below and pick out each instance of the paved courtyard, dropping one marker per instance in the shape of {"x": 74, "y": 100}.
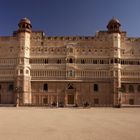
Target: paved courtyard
{"x": 69, "y": 124}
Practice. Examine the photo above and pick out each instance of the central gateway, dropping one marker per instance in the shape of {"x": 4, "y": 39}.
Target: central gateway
{"x": 71, "y": 99}
{"x": 70, "y": 93}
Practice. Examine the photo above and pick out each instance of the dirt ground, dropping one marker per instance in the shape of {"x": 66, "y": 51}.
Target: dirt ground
{"x": 69, "y": 124}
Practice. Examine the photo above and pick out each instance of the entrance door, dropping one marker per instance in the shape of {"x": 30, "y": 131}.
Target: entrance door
{"x": 45, "y": 100}
{"x": 131, "y": 101}
{"x": 71, "y": 99}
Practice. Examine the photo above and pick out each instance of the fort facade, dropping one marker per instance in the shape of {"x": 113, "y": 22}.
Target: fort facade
{"x": 99, "y": 70}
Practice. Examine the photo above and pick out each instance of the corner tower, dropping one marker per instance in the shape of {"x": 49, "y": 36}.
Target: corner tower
{"x": 23, "y": 80}
{"x": 115, "y": 36}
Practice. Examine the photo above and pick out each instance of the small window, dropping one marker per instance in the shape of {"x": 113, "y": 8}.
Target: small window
{"x": 21, "y": 71}
{"x": 59, "y": 61}
{"x": 71, "y": 50}
{"x": 70, "y": 60}
{"x": 70, "y": 73}
{"x": 96, "y": 88}
{"x": 45, "y": 88}
{"x": 131, "y": 88}
{"x": 131, "y": 101}
{"x": 96, "y": 101}
{"x": 11, "y": 87}
{"x": 82, "y": 61}
{"x": 123, "y": 89}
{"x": 46, "y": 61}
{"x": 94, "y": 61}
{"x": 27, "y": 72}
{"x": 116, "y": 60}
{"x": 138, "y": 88}
{"x": 45, "y": 100}
{"x": 111, "y": 61}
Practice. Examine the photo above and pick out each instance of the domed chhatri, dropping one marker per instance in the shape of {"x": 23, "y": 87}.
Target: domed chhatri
{"x": 26, "y": 20}
{"x": 114, "y": 26}
{"x": 25, "y": 25}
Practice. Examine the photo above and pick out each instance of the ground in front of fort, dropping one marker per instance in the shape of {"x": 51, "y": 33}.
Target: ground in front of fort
{"x": 69, "y": 124}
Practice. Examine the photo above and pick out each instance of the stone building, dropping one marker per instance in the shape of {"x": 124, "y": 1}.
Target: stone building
{"x": 100, "y": 70}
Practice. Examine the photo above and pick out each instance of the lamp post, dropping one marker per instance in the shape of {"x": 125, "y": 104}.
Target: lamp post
{"x": 18, "y": 92}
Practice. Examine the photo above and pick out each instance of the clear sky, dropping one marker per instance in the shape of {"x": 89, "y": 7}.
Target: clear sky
{"x": 70, "y": 17}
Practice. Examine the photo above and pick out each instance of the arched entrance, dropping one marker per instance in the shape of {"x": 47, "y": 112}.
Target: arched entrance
{"x": 70, "y": 99}
{"x": 70, "y": 93}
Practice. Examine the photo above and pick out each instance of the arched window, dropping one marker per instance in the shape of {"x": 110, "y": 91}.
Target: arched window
{"x": 71, "y": 50}
{"x": 123, "y": 89}
{"x": 138, "y": 88}
{"x": 59, "y": 61}
{"x": 95, "y": 87}
{"x": 70, "y": 60}
{"x": 27, "y": 72}
{"x": 94, "y": 61}
{"x": 70, "y": 73}
{"x": 131, "y": 88}
{"x": 11, "y": 87}
{"x": 46, "y": 61}
{"x": 82, "y": 61}
{"x": 45, "y": 88}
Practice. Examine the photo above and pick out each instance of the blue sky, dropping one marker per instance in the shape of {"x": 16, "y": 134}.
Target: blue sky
{"x": 70, "y": 17}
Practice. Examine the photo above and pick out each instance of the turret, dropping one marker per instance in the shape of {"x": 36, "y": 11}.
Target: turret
{"x": 24, "y": 25}
{"x": 23, "y": 67}
{"x": 115, "y": 34}
{"x": 114, "y": 26}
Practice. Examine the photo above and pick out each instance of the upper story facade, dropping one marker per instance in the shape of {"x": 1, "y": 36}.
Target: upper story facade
{"x": 41, "y": 57}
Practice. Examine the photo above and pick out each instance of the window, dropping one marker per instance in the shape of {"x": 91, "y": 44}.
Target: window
{"x": 21, "y": 71}
{"x": 131, "y": 88}
{"x": 11, "y": 87}
{"x": 71, "y": 50}
{"x": 46, "y": 61}
{"x": 70, "y": 73}
{"x": 94, "y": 61}
{"x": 59, "y": 61}
{"x": 96, "y": 88}
{"x": 82, "y": 61}
{"x": 138, "y": 88}
{"x": 96, "y": 101}
{"x": 131, "y": 101}
{"x": 45, "y": 100}
{"x": 45, "y": 88}
{"x": 116, "y": 60}
{"x": 123, "y": 89}
{"x": 111, "y": 61}
{"x": 70, "y": 60}
{"x": 27, "y": 72}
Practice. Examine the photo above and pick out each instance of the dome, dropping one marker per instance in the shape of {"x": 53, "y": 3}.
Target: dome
{"x": 25, "y": 25}
{"x": 114, "y": 25}
{"x": 114, "y": 21}
{"x": 25, "y": 20}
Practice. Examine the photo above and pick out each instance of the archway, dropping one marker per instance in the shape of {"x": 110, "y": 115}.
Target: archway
{"x": 70, "y": 99}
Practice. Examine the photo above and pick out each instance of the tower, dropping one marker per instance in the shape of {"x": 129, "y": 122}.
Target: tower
{"x": 23, "y": 78}
{"x": 115, "y": 35}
